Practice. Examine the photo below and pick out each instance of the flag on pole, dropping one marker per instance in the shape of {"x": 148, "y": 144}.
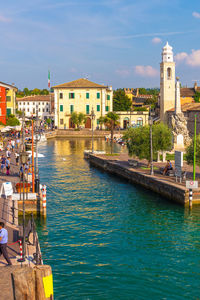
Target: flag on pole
{"x": 49, "y": 85}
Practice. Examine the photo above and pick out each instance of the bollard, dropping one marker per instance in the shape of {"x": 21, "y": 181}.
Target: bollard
{"x": 44, "y": 196}
{"x": 190, "y": 197}
{"x": 21, "y": 259}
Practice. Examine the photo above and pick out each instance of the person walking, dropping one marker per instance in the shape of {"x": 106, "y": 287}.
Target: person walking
{"x": 7, "y": 166}
{"x": 3, "y": 163}
{"x": 17, "y": 158}
{"x": 3, "y": 243}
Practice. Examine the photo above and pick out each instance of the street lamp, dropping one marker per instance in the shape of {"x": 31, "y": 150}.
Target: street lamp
{"x": 93, "y": 117}
{"x": 23, "y": 160}
{"x": 37, "y": 180}
{"x": 151, "y": 141}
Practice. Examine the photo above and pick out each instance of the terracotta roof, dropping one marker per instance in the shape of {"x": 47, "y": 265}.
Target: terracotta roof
{"x": 189, "y": 107}
{"x": 36, "y": 98}
{"x": 189, "y": 92}
{"x": 80, "y": 83}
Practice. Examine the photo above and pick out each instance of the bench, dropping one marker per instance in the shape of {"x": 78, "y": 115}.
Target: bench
{"x": 133, "y": 162}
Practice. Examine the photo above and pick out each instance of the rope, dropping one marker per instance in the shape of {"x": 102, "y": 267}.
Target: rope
{"x": 13, "y": 243}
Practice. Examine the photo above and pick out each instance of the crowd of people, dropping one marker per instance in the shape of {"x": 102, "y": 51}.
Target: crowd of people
{"x": 12, "y": 148}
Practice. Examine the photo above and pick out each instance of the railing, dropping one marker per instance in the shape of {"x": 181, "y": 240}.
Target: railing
{"x": 29, "y": 228}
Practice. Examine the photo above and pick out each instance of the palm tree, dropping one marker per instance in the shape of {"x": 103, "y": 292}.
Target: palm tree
{"x": 111, "y": 122}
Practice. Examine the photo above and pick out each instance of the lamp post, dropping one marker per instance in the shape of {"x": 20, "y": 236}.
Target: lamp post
{"x": 93, "y": 117}
{"x": 23, "y": 159}
{"x": 151, "y": 140}
{"x": 37, "y": 180}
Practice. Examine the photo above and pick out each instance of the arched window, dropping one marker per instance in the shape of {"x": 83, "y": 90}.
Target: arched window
{"x": 169, "y": 73}
{"x": 139, "y": 122}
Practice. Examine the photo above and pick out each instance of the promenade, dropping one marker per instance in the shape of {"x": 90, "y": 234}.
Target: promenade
{"x": 163, "y": 185}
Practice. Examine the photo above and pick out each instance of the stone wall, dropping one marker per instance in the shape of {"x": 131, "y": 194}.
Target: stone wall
{"x": 167, "y": 189}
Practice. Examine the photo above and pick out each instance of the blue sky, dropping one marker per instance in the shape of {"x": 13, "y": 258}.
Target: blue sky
{"x": 114, "y": 42}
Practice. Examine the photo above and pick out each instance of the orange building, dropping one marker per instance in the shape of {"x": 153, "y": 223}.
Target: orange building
{"x": 3, "y": 104}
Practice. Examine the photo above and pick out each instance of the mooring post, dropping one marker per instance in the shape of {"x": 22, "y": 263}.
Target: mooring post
{"x": 190, "y": 197}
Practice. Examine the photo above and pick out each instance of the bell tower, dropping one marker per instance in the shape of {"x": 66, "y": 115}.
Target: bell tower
{"x": 167, "y": 82}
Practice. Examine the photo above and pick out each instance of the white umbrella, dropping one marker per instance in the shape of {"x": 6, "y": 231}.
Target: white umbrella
{"x": 39, "y": 154}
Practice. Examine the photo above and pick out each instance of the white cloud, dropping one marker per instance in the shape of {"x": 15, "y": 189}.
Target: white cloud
{"x": 4, "y": 19}
{"x": 196, "y": 15}
{"x": 146, "y": 71}
{"x": 156, "y": 40}
{"x": 181, "y": 56}
{"x": 192, "y": 59}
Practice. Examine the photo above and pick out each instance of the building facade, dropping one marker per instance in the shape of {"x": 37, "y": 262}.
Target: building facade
{"x": 3, "y": 105}
{"x": 28, "y": 104}
{"x": 8, "y": 101}
{"x": 167, "y": 82}
{"x": 133, "y": 118}
{"x": 81, "y": 96}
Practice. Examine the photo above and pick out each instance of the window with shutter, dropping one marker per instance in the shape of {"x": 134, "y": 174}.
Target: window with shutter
{"x": 87, "y": 109}
{"x": 61, "y": 107}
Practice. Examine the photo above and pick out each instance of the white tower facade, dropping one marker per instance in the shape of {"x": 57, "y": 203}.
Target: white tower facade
{"x": 167, "y": 82}
{"x": 177, "y": 97}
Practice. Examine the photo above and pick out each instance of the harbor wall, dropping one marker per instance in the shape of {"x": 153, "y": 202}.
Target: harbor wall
{"x": 169, "y": 190}
{"x": 63, "y": 133}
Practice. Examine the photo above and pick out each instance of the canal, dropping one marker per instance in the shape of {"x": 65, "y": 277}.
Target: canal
{"x": 108, "y": 239}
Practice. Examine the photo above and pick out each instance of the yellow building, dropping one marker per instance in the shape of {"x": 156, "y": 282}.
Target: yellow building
{"x": 81, "y": 96}
{"x": 11, "y": 100}
{"x": 133, "y": 118}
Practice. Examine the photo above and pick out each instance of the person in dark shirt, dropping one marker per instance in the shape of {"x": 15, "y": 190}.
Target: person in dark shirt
{"x": 168, "y": 167}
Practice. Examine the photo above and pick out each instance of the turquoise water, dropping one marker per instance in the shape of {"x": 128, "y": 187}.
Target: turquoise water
{"x": 108, "y": 239}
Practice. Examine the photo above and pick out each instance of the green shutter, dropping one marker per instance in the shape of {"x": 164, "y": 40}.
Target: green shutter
{"x": 8, "y": 98}
{"x": 108, "y": 97}
{"x": 107, "y": 108}
{"x": 8, "y": 111}
{"x": 87, "y": 95}
{"x": 71, "y": 109}
{"x": 61, "y": 107}
{"x": 98, "y": 107}
{"x": 69, "y": 95}
{"x": 87, "y": 109}
{"x": 98, "y": 95}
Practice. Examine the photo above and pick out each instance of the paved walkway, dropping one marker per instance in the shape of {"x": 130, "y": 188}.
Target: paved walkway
{"x": 122, "y": 159}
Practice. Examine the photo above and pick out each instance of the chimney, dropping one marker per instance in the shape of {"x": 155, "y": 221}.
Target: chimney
{"x": 137, "y": 92}
{"x": 195, "y": 86}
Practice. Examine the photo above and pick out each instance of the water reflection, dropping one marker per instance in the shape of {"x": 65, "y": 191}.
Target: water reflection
{"x": 107, "y": 239}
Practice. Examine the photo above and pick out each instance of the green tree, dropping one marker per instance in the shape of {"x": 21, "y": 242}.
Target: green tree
{"x": 35, "y": 91}
{"x": 190, "y": 151}
{"x": 197, "y": 97}
{"x": 12, "y": 121}
{"x": 138, "y": 141}
{"x": 81, "y": 119}
{"x": 44, "y": 92}
{"x": 74, "y": 118}
{"x": 19, "y": 113}
{"x": 26, "y": 92}
{"x": 121, "y": 102}
{"x": 111, "y": 121}
{"x": 140, "y": 108}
